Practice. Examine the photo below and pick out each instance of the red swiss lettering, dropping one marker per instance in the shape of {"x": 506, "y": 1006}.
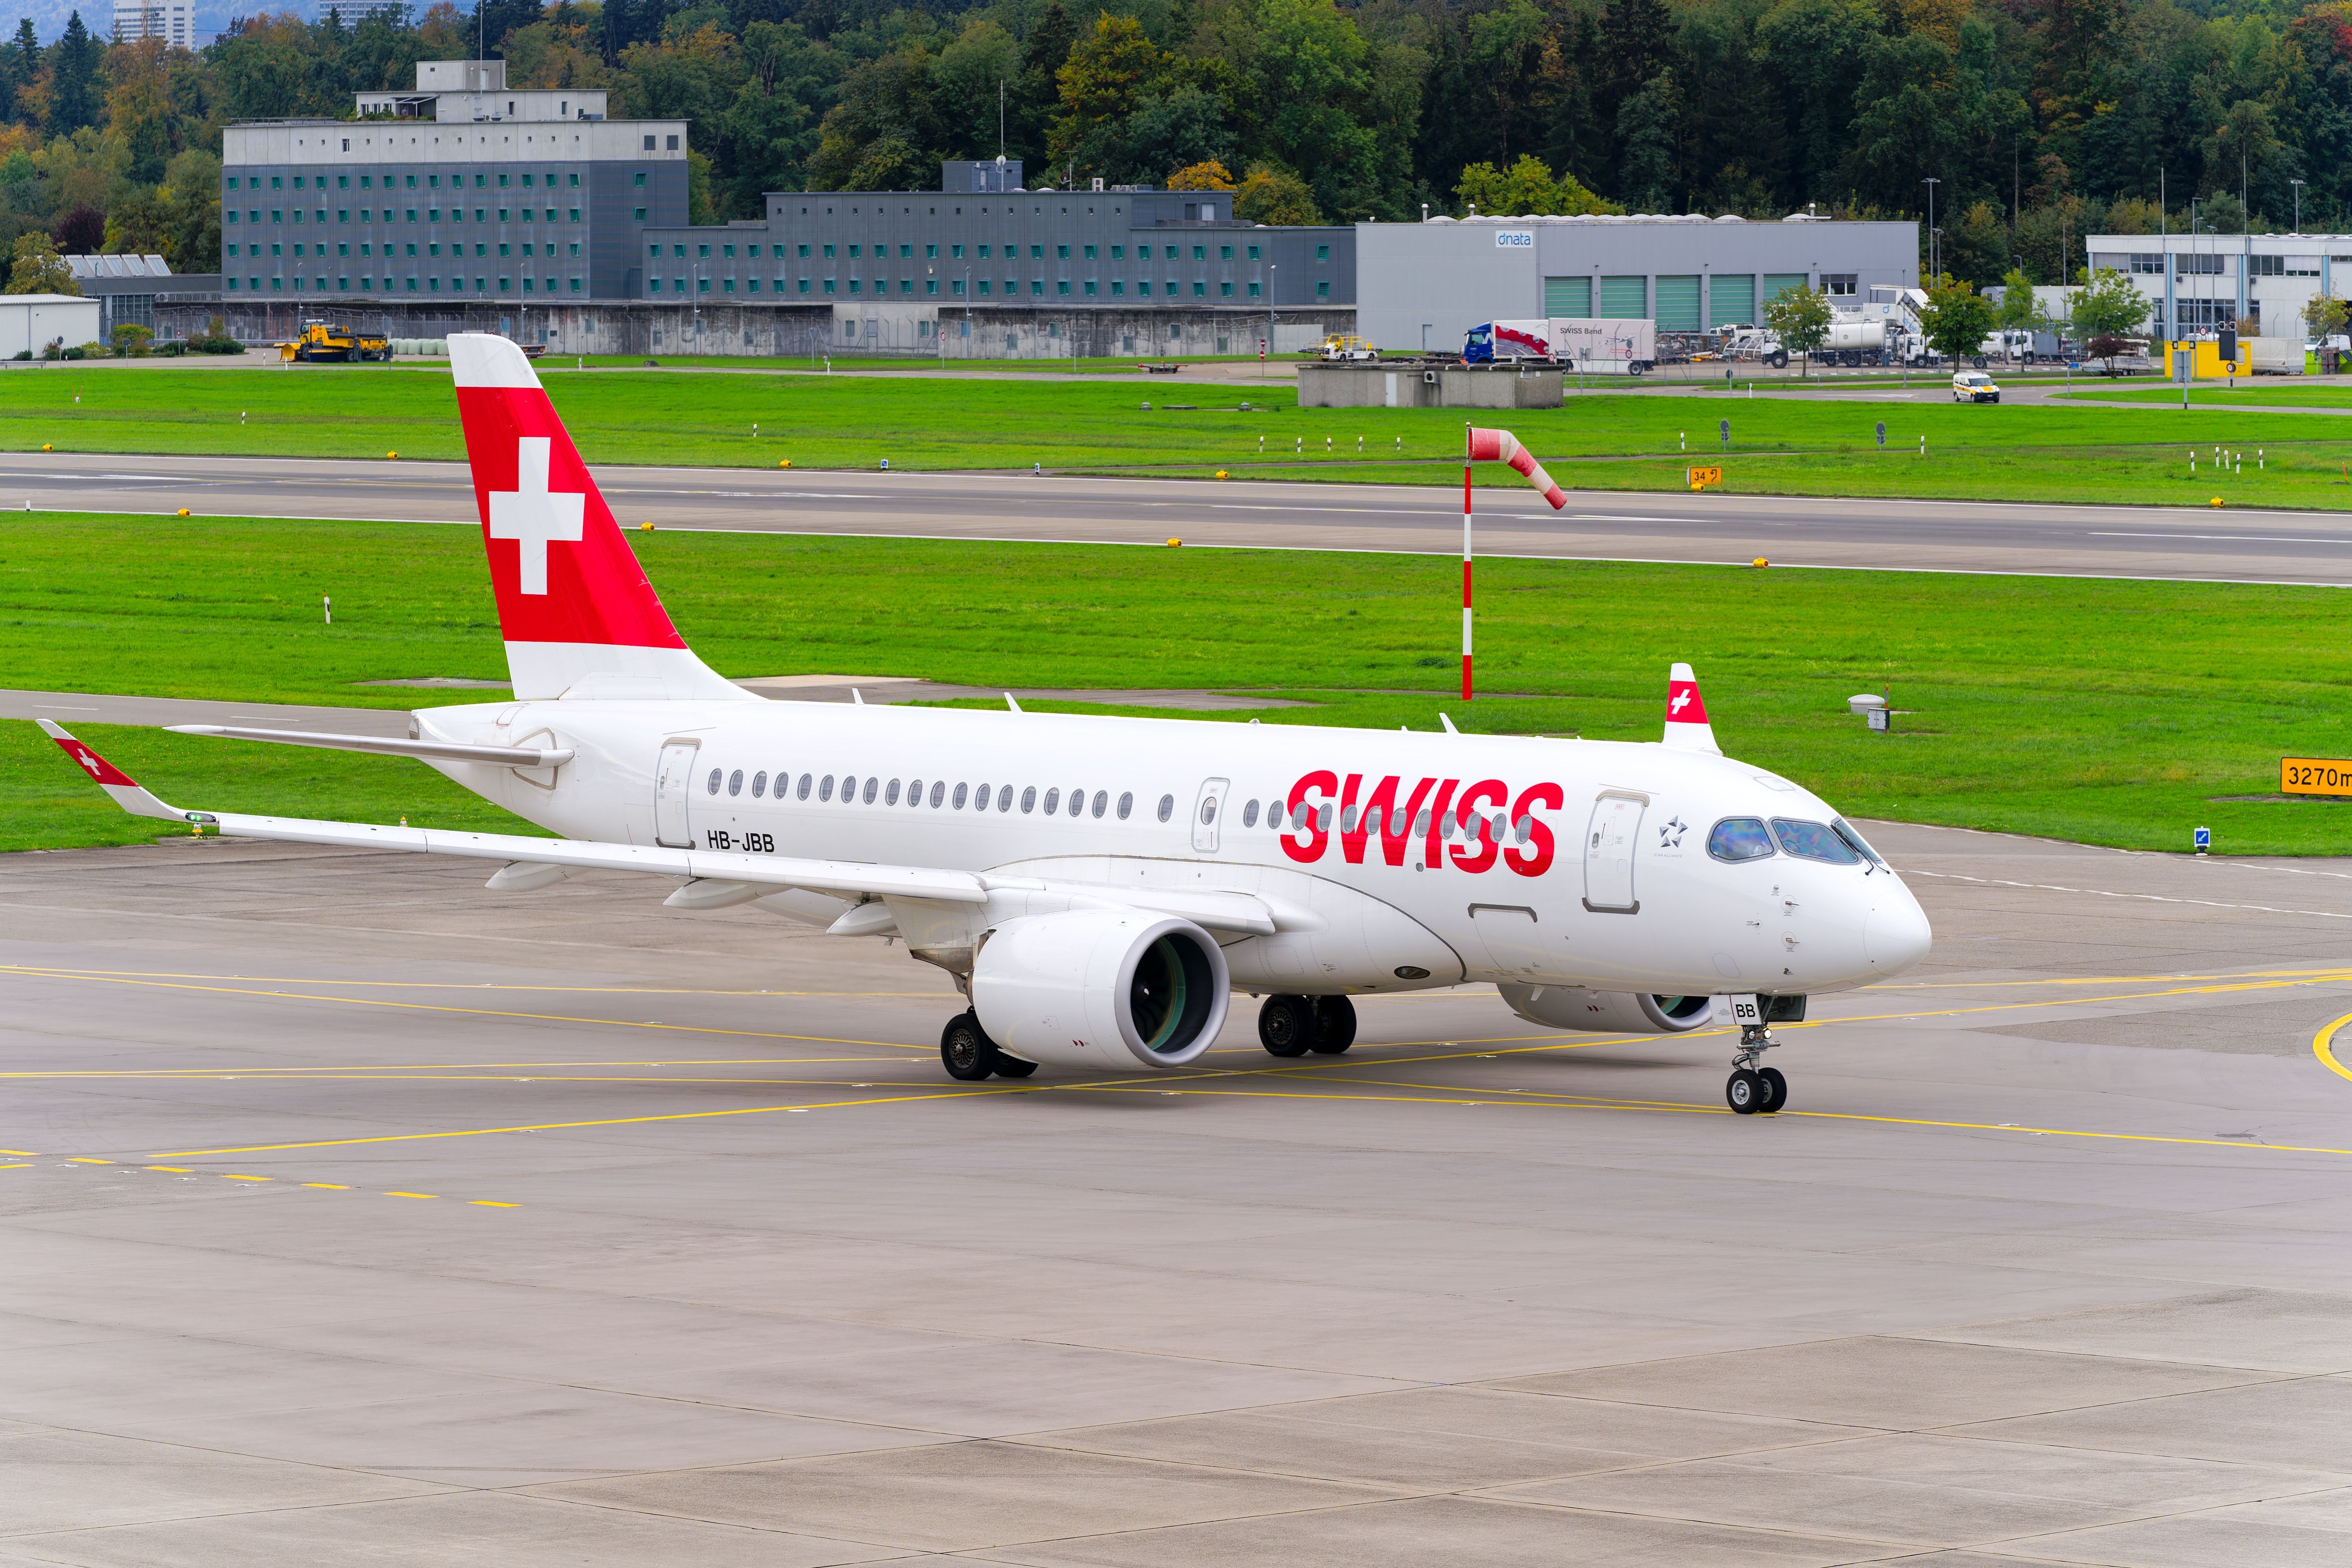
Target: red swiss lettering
{"x": 1435, "y": 856}
{"x": 1322, "y": 783}
{"x": 1535, "y": 859}
{"x": 1485, "y": 791}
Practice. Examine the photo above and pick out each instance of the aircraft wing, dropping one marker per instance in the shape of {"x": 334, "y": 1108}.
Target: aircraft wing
{"x": 1221, "y": 910}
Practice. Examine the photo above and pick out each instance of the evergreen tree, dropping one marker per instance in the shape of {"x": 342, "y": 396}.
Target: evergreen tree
{"x": 1037, "y": 91}
{"x": 73, "y": 71}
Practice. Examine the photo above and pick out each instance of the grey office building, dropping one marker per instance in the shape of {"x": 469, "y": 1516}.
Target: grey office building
{"x": 898, "y": 267}
{"x": 466, "y": 192}
{"x": 1423, "y": 286}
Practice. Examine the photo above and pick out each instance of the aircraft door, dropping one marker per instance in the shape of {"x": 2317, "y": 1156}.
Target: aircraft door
{"x": 1205, "y": 812}
{"x": 673, "y": 782}
{"x": 1608, "y": 852}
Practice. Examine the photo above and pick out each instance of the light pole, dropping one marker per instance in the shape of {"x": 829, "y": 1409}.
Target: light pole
{"x": 2298, "y": 205}
{"x": 967, "y": 312}
{"x": 1934, "y": 271}
{"x": 1270, "y": 271}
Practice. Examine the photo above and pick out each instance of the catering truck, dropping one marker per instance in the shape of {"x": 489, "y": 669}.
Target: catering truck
{"x": 1599, "y": 345}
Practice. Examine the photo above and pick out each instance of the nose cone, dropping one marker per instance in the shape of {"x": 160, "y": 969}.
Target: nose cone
{"x": 1895, "y": 934}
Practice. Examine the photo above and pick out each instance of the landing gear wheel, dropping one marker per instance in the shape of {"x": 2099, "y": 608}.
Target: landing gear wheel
{"x": 1745, "y": 1092}
{"x": 1335, "y": 1024}
{"x": 1014, "y": 1067}
{"x": 966, "y": 1050}
{"x": 1286, "y": 1026}
{"x": 1776, "y": 1089}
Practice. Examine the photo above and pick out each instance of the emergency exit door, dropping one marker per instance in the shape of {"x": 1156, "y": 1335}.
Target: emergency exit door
{"x": 1609, "y": 843}
{"x": 672, "y": 781}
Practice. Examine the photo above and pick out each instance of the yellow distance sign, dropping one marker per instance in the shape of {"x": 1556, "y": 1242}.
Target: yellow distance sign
{"x": 1702, "y": 477}
{"x": 2315, "y": 775}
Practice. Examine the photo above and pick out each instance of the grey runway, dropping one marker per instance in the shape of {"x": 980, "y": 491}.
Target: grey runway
{"x": 1896, "y": 536}
{"x": 352, "y": 1212}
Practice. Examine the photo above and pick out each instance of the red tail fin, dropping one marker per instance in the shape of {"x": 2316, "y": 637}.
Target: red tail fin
{"x": 577, "y": 612}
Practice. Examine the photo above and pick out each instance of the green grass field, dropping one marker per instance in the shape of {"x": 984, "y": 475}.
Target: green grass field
{"x": 2275, "y": 391}
{"x": 2111, "y": 712}
{"x": 1788, "y": 443}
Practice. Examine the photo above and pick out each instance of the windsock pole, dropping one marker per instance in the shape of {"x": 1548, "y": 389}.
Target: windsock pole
{"x": 1493, "y": 447}
{"x": 1466, "y": 564}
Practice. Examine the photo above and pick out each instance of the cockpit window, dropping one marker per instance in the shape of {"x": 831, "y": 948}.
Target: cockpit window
{"x": 1739, "y": 839}
{"x": 1811, "y": 841}
{"x": 1855, "y": 841}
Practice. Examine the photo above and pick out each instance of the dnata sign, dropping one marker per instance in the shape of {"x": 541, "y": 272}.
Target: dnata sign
{"x": 1515, "y": 239}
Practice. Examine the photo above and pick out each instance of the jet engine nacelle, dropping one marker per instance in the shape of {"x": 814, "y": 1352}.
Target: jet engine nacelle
{"x": 1105, "y": 990}
{"x": 1610, "y": 1012}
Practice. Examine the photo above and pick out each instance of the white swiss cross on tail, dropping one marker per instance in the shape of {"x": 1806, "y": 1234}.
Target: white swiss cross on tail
{"x": 534, "y": 516}
{"x": 1687, "y": 726}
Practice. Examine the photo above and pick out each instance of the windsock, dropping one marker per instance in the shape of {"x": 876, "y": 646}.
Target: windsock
{"x": 1687, "y": 726}
{"x": 1502, "y": 446}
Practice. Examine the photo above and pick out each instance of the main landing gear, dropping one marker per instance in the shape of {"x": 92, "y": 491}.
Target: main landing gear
{"x": 971, "y": 1055}
{"x": 1752, "y": 1089}
{"x": 1294, "y": 1026}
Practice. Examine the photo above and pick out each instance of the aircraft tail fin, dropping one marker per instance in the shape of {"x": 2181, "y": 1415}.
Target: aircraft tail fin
{"x": 1687, "y": 726}
{"x": 578, "y": 617}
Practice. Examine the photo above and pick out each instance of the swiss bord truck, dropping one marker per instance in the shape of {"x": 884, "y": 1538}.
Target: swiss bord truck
{"x": 1597, "y": 345}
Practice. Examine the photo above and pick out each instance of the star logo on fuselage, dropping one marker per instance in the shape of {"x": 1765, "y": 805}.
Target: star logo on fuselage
{"x": 1670, "y": 834}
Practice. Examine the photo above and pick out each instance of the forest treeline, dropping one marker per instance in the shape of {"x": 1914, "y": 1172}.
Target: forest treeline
{"x": 2039, "y": 120}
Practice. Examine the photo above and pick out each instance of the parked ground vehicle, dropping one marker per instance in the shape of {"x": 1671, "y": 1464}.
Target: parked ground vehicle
{"x": 1975, "y": 386}
{"x": 331, "y": 342}
{"x": 1347, "y": 348}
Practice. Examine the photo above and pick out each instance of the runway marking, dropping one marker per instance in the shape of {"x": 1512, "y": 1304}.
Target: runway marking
{"x": 2152, "y": 897}
{"x": 1688, "y": 1110}
{"x": 86, "y": 1160}
{"x": 227, "y": 1176}
{"x": 2323, "y": 1046}
{"x": 58, "y": 970}
{"x": 574, "y": 1126}
{"x": 20, "y": 1151}
{"x": 430, "y": 1008}
{"x": 172, "y": 1170}
{"x": 19, "y": 1165}
{"x": 393, "y": 1194}
{"x": 331, "y": 1186}
{"x": 2222, "y": 538}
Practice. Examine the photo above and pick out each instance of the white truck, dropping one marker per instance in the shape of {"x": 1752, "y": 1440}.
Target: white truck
{"x": 1597, "y": 345}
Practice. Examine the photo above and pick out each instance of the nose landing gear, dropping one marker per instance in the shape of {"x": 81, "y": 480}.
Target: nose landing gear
{"x": 1752, "y": 1089}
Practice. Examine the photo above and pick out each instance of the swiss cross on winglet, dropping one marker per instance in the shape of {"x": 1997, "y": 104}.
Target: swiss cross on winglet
{"x": 119, "y": 786}
{"x": 1687, "y": 726}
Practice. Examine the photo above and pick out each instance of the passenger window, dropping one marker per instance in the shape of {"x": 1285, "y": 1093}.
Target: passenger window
{"x": 1811, "y": 841}
{"x": 961, "y": 791}
{"x": 1029, "y": 800}
{"x": 890, "y": 796}
{"x": 915, "y": 792}
{"x": 937, "y": 789}
{"x": 1079, "y": 804}
{"x": 1323, "y": 818}
{"x": 806, "y": 779}
{"x": 716, "y": 773}
{"x": 1126, "y": 805}
{"x": 848, "y": 788}
{"x": 824, "y": 790}
{"x": 1004, "y": 797}
{"x": 759, "y": 785}
{"x": 980, "y": 795}
{"x": 1249, "y": 816}
{"x": 872, "y": 785}
{"x": 1166, "y": 806}
{"x": 1052, "y": 800}
{"x": 1739, "y": 839}
{"x": 735, "y": 782}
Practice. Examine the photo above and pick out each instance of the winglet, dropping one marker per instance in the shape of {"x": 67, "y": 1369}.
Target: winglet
{"x": 1687, "y": 726}
{"x": 1016, "y": 706}
{"x": 119, "y": 786}
{"x": 1448, "y": 723}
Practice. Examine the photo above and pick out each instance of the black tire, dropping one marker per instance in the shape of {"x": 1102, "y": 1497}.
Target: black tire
{"x": 965, "y": 1049}
{"x": 1014, "y": 1067}
{"x": 1335, "y": 1024}
{"x": 1286, "y": 1026}
{"x": 1776, "y": 1089}
{"x": 1743, "y": 1092}
{"x": 1979, "y": 362}
{"x": 1996, "y": 397}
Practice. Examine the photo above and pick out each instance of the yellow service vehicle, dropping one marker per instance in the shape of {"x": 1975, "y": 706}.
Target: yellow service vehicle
{"x": 1347, "y": 348}
{"x": 327, "y": 342}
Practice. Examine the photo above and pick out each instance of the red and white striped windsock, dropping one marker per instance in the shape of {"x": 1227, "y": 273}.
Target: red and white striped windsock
{"x": 1502, "y": 446}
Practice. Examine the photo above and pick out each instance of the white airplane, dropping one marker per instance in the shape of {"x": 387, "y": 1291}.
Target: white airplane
{"x": 1098, "y": 887}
